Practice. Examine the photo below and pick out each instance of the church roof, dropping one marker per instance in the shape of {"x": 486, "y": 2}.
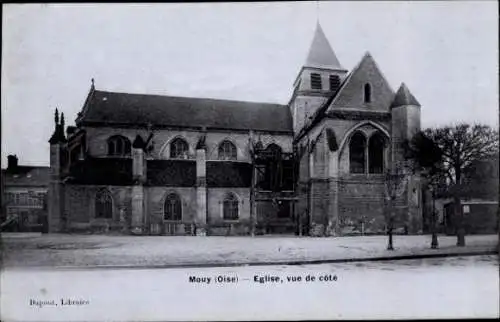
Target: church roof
{"x": 321, "y": 54}
{"x": 404, "y": 97}
{"x": 102, "y": 107}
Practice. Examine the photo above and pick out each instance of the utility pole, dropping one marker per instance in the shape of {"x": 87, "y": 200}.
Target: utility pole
{"x": 434, "y": 242}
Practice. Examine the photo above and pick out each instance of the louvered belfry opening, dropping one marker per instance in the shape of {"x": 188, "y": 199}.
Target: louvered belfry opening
{"x": 334, "y": 82}
{"x": 316, "y": 81}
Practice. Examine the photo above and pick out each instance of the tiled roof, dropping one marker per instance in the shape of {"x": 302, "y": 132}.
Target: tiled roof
{"x": 26, "y": 176}
{"x": 174, "y": 173}
{"x": 157, "y": 110}
{"x": 321, "y": 54}
{"x": 404, "y": 97}
{"x": 228, "y": 174}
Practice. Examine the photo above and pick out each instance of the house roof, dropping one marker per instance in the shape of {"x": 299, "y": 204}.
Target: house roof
{"x": 321, "y": 54}
{"x": 156, "y": 110}
{"x": 404, "y": 97}
{"x": 28, "y": 176}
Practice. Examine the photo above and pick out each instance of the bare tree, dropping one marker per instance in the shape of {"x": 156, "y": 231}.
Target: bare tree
{"x": 461, "y": 145}
{"x": 427, "y": 159}
{"x": 396, "y": 180}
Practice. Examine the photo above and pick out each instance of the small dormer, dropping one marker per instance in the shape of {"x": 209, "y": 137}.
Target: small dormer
{"x": 322, "y": 72}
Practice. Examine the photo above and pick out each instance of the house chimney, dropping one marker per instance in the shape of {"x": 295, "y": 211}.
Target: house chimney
{"x": 12, "y": 162}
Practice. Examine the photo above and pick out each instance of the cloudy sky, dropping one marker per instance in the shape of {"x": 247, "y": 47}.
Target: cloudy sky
{"x": 446, "y": 52}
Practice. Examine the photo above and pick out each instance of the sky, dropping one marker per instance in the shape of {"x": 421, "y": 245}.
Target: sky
{"x": 445, "y": 52}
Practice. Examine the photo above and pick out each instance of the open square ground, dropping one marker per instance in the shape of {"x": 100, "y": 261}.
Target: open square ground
{"x": 60, "y": 250}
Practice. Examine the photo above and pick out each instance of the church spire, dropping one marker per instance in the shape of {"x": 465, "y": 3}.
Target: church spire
{"x": 321, "y": 54}
{"x": 404, "y": 97}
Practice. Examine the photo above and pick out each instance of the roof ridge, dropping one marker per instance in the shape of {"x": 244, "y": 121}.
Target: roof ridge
{"x": 191, "y": 97}
{"x": 109, "y": 107}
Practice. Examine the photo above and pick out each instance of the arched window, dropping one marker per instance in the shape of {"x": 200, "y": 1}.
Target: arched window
{"x": 172, "y": 209}
{"x": 118, "y": 146}
{"x": 230, "y": 207}
{"x": 273, "y": 174}
{"x": 179, "y": 149}
{"x": 227, "y": 151}
{"x": 274, "y": 150}
{"x": 376, "y": 153}
{"x": 357, "y": 148}
{"x": 368, "y": 93}
{"x": 103, "y": 204}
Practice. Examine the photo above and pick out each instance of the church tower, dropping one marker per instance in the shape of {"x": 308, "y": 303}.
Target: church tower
{"x": 405, "y": 117}
{"x": 405, "y": 112}
{"x": 319, "y": 78}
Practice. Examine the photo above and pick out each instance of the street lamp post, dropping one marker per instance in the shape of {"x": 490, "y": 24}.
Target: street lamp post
{"x": 395, "y": 186}
{"x": 434, "y": 242}
{"x": 389, "y": 230}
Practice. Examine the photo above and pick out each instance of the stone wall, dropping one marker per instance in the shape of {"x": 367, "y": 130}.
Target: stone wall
{"x": 79, "y": 214}
{"x": 154, "y": 212}
{"x": 303, "y": 107}
{"x": 361, "y": 205}
{"x": 215, "y": 198}
{"x": 156, "y": 202}
{"x": 97, "y": 141}
{"x": 320, "y": 207}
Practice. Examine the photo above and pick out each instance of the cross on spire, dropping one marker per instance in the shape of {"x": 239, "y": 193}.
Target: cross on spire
{"x": 317, "y": 11}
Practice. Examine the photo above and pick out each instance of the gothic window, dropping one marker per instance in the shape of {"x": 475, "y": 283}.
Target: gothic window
{"x": 103, "y": 204}
{"x": 172, "y": 209}
{"x": 230, "y": 207}
{"x": 227, "y": 151}
{"x": 118, "y": 146}
{"x": 376, "y": 153}
{"x": 179, "y": 149}
{"x": 315, "y": 81}
{"x": 357, "y": 148}
{"x": 273, "y": 170}
{"x": 261, "y": 179}
{"x": 334, "y": 82}
{"x": 368, "y": 93}
{"x": 274, "y": 150}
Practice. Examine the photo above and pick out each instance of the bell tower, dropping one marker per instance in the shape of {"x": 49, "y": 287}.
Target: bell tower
{"x": 319, "y": 78}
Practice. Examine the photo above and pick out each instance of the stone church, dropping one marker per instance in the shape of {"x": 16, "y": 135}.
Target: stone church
{"x": 166, "y": 165}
